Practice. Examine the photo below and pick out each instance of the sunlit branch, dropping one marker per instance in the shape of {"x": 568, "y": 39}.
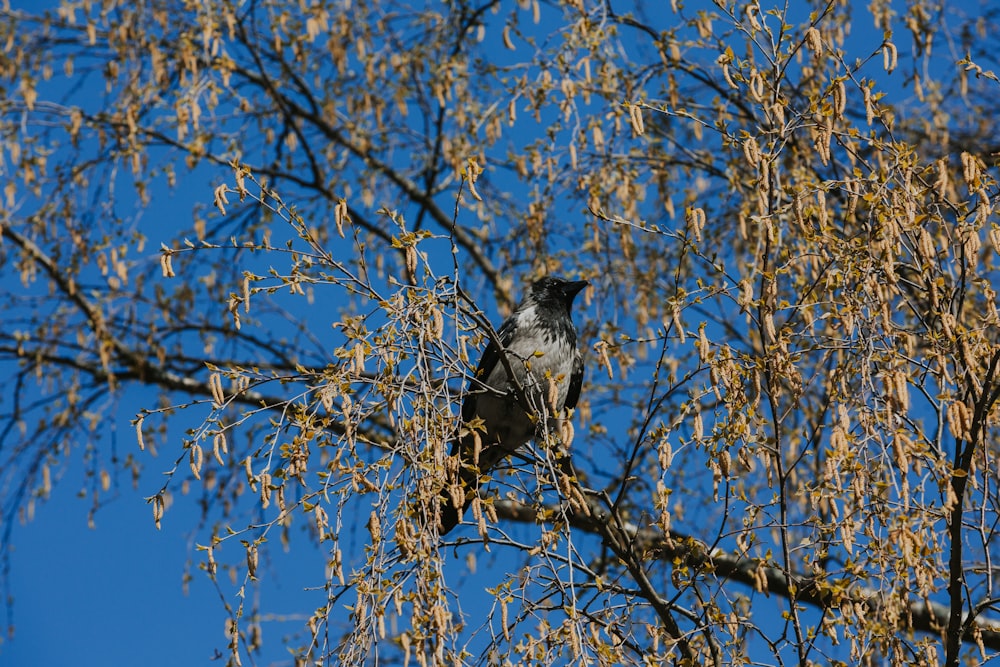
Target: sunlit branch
{"x": 678, "y": 548}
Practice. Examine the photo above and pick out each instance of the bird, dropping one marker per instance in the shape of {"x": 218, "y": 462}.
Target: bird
{"x": 508, "y": 403}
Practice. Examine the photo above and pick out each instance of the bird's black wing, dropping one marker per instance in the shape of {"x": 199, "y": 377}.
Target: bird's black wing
{"x": 488, "y": 362}
{"x": 469, "y": 476}
{"x": 575, "y": 380}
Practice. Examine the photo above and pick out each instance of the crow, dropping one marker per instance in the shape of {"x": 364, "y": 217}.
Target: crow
{"x": 509, "y": 403}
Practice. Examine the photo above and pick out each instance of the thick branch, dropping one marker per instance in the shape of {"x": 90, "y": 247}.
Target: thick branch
{"x": 924, "y": 616}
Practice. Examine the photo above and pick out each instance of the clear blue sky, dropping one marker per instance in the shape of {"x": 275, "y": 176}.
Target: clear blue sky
{"x": 109, "y": 596}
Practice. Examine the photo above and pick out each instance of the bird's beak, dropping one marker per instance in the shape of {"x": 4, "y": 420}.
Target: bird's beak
{"x": 574, "y": 288}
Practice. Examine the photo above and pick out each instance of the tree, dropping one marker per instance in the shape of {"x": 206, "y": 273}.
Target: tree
{"x": 785, "y": 449}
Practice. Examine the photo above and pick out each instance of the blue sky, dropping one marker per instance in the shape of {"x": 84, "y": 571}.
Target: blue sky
{"x": 114, "y": 594}
{"x": 107, "y": 596}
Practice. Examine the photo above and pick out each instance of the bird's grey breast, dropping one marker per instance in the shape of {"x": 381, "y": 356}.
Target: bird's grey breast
{"x": 538, "y": 352}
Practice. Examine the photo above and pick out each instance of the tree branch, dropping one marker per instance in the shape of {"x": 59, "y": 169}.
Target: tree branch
{"x": 923, "y": 615}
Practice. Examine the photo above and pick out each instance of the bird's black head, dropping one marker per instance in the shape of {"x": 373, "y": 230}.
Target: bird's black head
{"x": 554, "y": 292}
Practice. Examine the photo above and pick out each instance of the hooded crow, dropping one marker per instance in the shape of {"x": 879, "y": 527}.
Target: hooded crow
{"x": 519, "y": 389}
